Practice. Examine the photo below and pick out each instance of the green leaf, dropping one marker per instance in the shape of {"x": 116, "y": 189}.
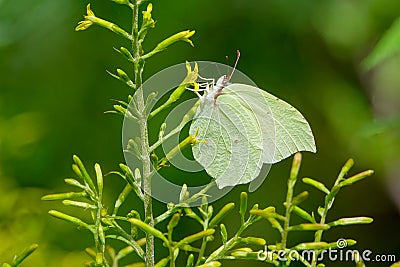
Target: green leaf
{"x": 162, "y": 263}
{"x": 21, "y": 257}
{"x": 243, "y": 206}
{"x": 387, "y": 46}
{"x": 311, "y": 246}
{"x": 79, "y": 204}
{"x": 99, "y": 180}
{"x": 190, "y": 261}
{"x": 173, "y": 222}
{"x": 253, "y": 241}
{"x": 303, "y": 214}
{"x": 180, "y": 36}
{"x": 299, "y": 198}
{"x": 268, "y": 213}
{"x": 345, "y": 169}
{"x": 71, "y": 219}
{"x": 63, "y": 196}
{"x": 224, "y": 233}
{"x": 318, "y": 185}
{"x": 245, "y": 255}
{"x": 351, "y": 221}
{"x": 121, "y": 198}
{"x": 342, "y": 243}
{"x": 309, "y": 227}
{"x": 74, "y": 182}
{"x": 82, "y": 173}
{"x": 356, "y": 178}
{"x": 194, "y": 237}
{"x": 148, "y": 229}
{"x": 221, "y": 214}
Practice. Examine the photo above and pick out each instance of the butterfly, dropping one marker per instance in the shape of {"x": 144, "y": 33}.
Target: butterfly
{"x": 241, "y": 127}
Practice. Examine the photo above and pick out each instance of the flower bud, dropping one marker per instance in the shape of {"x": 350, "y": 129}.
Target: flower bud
{"x": 253, "y": 240}
{"x": 148, "y": 21}
{"x": 221, "y": 214}
{"x": 350, "y": 221}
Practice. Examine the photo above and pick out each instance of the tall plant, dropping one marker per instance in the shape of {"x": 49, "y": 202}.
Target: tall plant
{"x": 108, "y": 223}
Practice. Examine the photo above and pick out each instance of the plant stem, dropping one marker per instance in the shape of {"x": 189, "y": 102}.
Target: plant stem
{"x": 142, "y": 120}
{"x": 289, "y": 197}
{"x": 334, "y": 190}
{"x": 203, "y": 243}
{"x": 222, "y": 250}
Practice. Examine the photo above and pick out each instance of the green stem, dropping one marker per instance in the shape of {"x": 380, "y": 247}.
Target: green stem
{"x": 289, "y": 197}
{"x": 334, "y": 190}
{"x": 286, "y": 225}
{"x": 222, "y": 250}
{"x": 138, "y": 66}
{"x": 203, "y": 242}
{"x": 171, "y": 255}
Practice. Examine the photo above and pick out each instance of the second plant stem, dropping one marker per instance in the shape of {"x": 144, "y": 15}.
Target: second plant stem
{"x": 145, "y": 155}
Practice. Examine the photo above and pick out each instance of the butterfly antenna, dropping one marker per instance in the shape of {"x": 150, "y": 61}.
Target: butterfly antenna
{"x": 236, "y": 62}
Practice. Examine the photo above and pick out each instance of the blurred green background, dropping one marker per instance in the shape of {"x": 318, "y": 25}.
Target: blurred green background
{"x": 54, "y": 90}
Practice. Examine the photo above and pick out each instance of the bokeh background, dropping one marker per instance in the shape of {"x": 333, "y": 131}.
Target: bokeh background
{"x": 54, "y": 90}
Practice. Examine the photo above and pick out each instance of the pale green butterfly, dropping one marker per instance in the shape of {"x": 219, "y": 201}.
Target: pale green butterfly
{"x": 241, "y": 127}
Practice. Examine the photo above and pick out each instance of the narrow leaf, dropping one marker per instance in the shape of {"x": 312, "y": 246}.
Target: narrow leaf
{"x": 303, "y": 214}
{"x": 295, "y": 166}
{"x": 268, "y": 213}
{"x": 194, "y": 237}
{"x": 148, "y": 229}
{"x": 309, "y": 227}
{"x": 356, "y": 178}
{"x": 243, "y": 206}
{"x": 84, "y": 173}
{"x": 299, "y": 198}
{"x": 342, "y": 243}
{"x": 71, "y": 219}
{"x": 121, "y": 198}
{"x": 253, "y": 241}
{"x": 190, "y": 261}
{"x": 388, "y": 46}
{"x": 63, "y": 196}
{"x": 21, "y": 257}
{"x": 318, "y": 185}
{"x": 79, "y": 204}
{"x": 221, "y": 214}
{"x": 173, "y": 222}
{"x": 311, "y": 246}
{"x": 74, "y": 182}
{"x": 350, "y": 221}
{"x": 345, "y": 169}
{"x": 99, "y": 180}
{"x": 162, "y": 263}
{"x": 224, "y": 233}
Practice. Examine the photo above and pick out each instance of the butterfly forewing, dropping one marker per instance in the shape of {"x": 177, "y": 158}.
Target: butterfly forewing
{"x": 292, "y": 131}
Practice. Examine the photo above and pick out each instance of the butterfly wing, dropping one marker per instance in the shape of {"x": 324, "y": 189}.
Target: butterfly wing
{"x": 231, "y": 147}
{"x": 284, "y": 129}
